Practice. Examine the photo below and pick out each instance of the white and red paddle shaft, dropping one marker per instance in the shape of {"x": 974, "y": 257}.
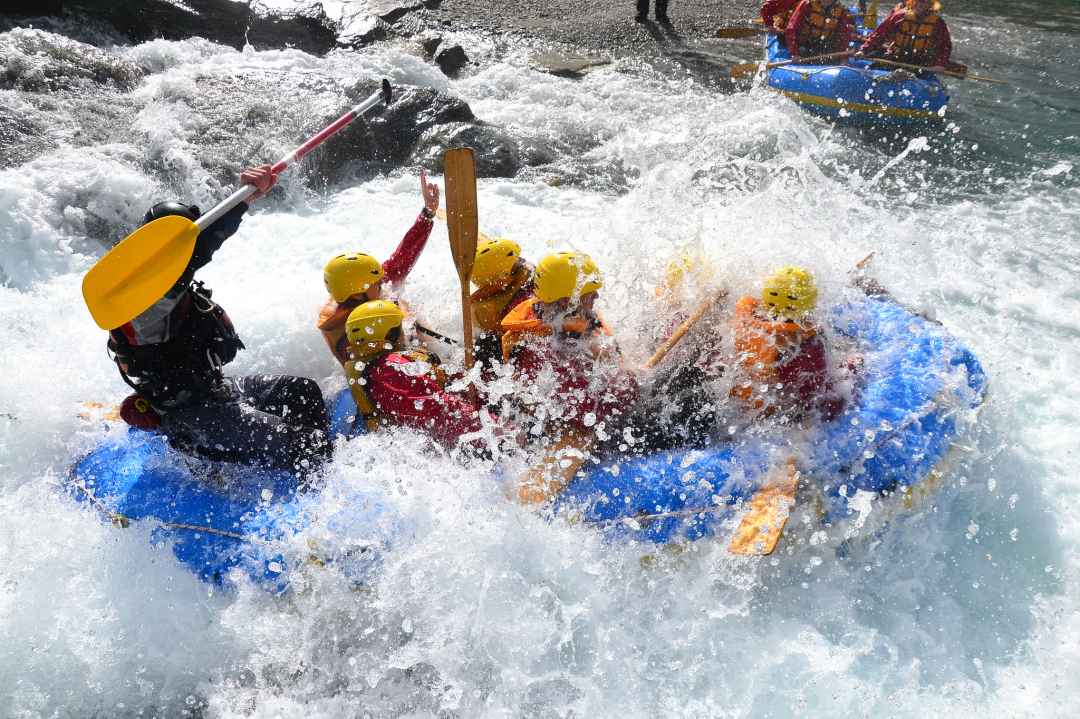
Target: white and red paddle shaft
{"x": 246, "y": 191}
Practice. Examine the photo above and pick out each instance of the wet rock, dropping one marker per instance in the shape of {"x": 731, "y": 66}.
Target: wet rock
{"x": 390, "y": 138}
{"x": 228, "y": 22}
{"x": 497, "y": 153}
{"x": 430, "y": 43}
{"x": 451, "y": 59}
{"x": 27, "y": 8}
{"x": 563, "y": 65}
{"x": 39, "y": 61}
{"x": 362, "y": 30}
{"x": 393, "y": 10}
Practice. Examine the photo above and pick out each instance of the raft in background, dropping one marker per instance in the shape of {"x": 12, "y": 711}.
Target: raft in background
{"x": 219, "y": 517}
{"x": 856, "y": 93}
{"x": 917, "y": 384}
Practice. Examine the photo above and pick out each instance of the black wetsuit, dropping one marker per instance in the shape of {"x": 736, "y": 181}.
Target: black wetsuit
{"x": 173, "y": 353}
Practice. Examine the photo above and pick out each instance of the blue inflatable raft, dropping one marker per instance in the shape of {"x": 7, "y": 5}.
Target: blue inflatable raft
{"x": 857, "y": 93}
{"x": 221, "y": 518}
{"x": 226, "y": 520}
{"x": 917, "y": 380}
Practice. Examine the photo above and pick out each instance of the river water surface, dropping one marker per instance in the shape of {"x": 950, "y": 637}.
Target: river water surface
{"x": 969, "y": 608}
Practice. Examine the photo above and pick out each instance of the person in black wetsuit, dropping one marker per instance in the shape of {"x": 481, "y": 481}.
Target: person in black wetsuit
{"x": 661, "y": 11}
{"x": 172, "y": 356}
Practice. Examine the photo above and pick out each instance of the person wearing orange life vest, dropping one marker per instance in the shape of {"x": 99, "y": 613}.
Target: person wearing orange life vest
{"x": 781, "y": 356}
{"x": 503, "y": 280}
{"x": 819, "y": 27}
{"x": 776, "y": 13}
{"x": 392, "y": 386}
{"x": 355, "y": 277}
{"x": 567, "y": 368}
{"x": 914, "y": 33}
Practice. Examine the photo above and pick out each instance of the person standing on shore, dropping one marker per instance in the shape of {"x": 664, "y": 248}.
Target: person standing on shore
{"x": 661, "y": 11}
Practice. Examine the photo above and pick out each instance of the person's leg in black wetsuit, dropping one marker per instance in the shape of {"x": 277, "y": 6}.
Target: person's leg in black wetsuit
{"x": 273, "y": 421}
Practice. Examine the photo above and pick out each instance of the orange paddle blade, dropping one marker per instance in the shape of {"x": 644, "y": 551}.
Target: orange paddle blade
{"x": 770, "y": 506}
{"x": 139, "y": 271}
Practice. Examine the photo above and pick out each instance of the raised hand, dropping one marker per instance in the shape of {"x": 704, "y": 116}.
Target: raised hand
{"x": 430, "y": 191}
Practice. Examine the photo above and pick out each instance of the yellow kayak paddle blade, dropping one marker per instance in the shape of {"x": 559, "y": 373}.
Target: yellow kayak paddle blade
{"x": 139, "y": 271}
{"x": 761, "y": 527}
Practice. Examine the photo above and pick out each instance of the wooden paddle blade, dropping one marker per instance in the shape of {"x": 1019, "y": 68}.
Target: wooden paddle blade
{"x": 461, "y": 216}
{"x": 770, "y": 506}
{"x": 748, "y": 69}
{"x": 480, "y": 236}
{"x": 735, "y": 32}
{"x": 139, "y": 271}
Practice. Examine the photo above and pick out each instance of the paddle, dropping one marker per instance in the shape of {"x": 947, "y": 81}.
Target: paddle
{"x": 737, "y": 32}
{"x": 441, "y": 214}
{"x": 770, "y": 507}
{"x": 751, "y": 68}
{"x": 459, "y": 172}
{"x": 147, "y": 263}
{"x": 950, "y": 73}
{"x": 685, "y": 327}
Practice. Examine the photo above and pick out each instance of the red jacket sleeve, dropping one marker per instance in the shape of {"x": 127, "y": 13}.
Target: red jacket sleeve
{"x": 883, "y": 31}
{"x": 772, "y": 8}
{"x": 400, "y": 264}
{"x": 944, "y": 49}
{"x": 791, "y": 35}
{"x": 419, "y": 402}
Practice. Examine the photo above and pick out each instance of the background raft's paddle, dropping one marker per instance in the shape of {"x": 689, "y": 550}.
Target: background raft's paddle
{"x": 738, "y": 32}
{"x": 950, "y": 73}
{"x": 459, "y": 170}
{"x": 751, "y": 68}
{"x": 147, "y": 263}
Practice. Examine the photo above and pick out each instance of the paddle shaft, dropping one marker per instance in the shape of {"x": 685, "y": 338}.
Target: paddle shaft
{"x": 682, "y": 329}
{"x": 753, "y": 66}
{"x": 299, "y": 153}
{"x": 950, "y": 73}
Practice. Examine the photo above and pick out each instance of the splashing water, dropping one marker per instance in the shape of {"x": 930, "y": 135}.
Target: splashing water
{"x": 490, "y": 610}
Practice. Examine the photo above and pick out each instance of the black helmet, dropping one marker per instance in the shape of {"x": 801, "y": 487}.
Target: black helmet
{"x": 164, "y": 209}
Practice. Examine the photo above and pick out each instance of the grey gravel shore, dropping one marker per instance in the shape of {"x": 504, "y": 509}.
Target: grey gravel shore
{"x": 599, "y": 27}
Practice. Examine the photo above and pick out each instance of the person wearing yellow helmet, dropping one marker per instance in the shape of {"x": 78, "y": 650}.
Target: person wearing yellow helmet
{"x": 395, "y": 386}
{"x": 566, "y": 367}
{"x": 503, "y": 280}
{"x": 781, "y": 356}
{"x": 352, "y": 278}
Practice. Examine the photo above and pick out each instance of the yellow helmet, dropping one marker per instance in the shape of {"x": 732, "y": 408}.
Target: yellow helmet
{"x": 790, "y": 292}
{"x": 370, "y": 324}
{"x": 697, "y": 267}
{"x": 566, "y": 274}
{"x": 350, "y": 274}
{"x": 495, "y": 259}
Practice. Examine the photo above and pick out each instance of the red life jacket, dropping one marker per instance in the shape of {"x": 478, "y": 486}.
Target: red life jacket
{"x": 916, "y": 41}
{"x": 817, "y": 34}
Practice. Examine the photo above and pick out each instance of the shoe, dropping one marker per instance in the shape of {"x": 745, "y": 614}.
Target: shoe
{"x": 640, "y": 18}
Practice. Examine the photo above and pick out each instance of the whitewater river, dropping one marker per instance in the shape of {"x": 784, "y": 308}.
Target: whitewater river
{"x": 970, "y": 608}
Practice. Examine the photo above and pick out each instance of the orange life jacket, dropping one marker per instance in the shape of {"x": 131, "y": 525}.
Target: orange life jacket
{"x": 491, "y": 302}
{"x": 331, "y": 323}
{"x": 759, "y": 346}
{"x": 917, "y": 39}
{"x": 820, "y": 26}
{"x": 524, "y": 320}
